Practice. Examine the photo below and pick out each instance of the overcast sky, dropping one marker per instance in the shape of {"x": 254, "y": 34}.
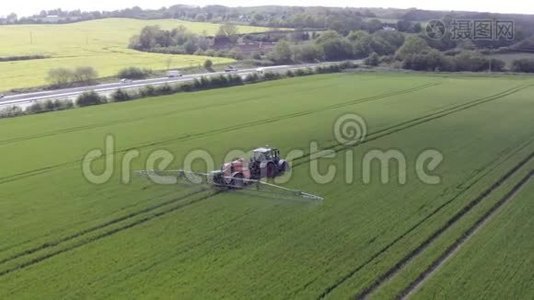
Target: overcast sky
{"x": 29, "y": 7}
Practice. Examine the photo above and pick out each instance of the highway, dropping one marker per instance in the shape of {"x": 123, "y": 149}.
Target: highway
{"x": 26, "y": 99}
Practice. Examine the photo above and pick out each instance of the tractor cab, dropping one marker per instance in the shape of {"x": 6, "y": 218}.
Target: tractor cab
{"x": 265, "y": 154}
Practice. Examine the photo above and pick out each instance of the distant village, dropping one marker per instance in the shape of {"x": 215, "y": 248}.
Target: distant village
{"x": 39, "y": 19}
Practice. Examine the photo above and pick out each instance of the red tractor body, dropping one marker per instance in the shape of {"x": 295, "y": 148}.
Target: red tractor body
{"x": 264, "y": 163}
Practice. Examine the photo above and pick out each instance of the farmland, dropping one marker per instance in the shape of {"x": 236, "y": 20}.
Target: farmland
{"x": 101, "y": 44}
{"x": 507, "y": 243}
{"x": 65, "y": 237}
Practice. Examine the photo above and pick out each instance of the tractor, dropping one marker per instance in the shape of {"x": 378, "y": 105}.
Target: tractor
{"x": 264, "y": 163}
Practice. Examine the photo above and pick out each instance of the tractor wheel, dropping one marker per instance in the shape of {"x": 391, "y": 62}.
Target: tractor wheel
{"x": 237, "y": 182}
{"x": 283, "y": 167}
{"x": 271, "y": 171}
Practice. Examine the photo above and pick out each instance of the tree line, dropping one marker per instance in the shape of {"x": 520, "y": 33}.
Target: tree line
{"x": 91, "y": 98}
{"x": 179, "y": 40}
{"x": 65, "y": 77}
{"x": 391, "y": 47}
{"x": 342, "y": 20}
{"x": 332, "y": 46}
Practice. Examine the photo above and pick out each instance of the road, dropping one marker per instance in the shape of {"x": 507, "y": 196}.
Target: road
{"x": 26, "y": 99}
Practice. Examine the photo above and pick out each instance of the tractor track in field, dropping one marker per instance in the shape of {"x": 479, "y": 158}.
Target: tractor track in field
{"x": 484, "y": 172}
{"x": 127, "y": 121}
{"x": 105, "y": 234}
{"x": 95, "y": 228}
{"x": 336, "y": 147}
{"x": 188, "y": 137}
{"x": 92, "y": 229}
{"x": 286, "y": 117}
{"x": 415, "y": 122}
{"x": 466, "y": 236}
{"x": 376, "y": 135}
{"x": 450, "y": 222}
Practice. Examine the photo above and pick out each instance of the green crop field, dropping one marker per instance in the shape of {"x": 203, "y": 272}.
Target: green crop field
{"x": 65, "y": 237}
{"x": 497, "y": 263}
{"x": 102, "y": 44}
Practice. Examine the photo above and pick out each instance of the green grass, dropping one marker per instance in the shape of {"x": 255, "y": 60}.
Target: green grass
{"x": 145, "y": 240}
{"x": 102, "y": 44}
{"x": 496, "y": 262}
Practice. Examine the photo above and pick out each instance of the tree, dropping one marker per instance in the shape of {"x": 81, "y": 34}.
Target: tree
{"x": 417, "y": 28}
{"x": 134, "y": 73}
{"x": 374, "y": 25}
{"x": 372, "y": 60}
{"x": 334, "y": 46}
{"x": 190, "y": 47}
{"x": 84, "y": 74}
{"x": 497, "y": 65}
{"x": 307, "y": 53}
{"x": 361, "y": 43}
{"x": 146, "y": 39}
{"x": 344, "y": 24}
{"x": 227, "y": 30}
{"x": 120, "y": 95}
{"x": 357, "y": 35}
{"x": 12, "y": 18}
{"x": 208, "y": 64}
{"x": 258, "y": 17}
{"x": 281, "y": 53}
{"x": 327, "y": 35}
{"x": 412, "y": 45}
{"x": 11, "y": 111}
{"x": 432, "y": 60}
{"x": 471, "y": 61}
{"x": 387, "y": 42}
{"x": 466, "y": 45}
{"x": 35, "y": 108}
{"x": 90, "y": 98}
{"x": 337, "y": 49}
{"x": 60, "y": 77}
{"x": 523, "y": 65}
{"x": 404, "y": 26}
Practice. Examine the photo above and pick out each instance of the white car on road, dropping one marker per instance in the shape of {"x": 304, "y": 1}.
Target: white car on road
{"x": 231, "y": 69}
{"x": 174, "y": 74}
